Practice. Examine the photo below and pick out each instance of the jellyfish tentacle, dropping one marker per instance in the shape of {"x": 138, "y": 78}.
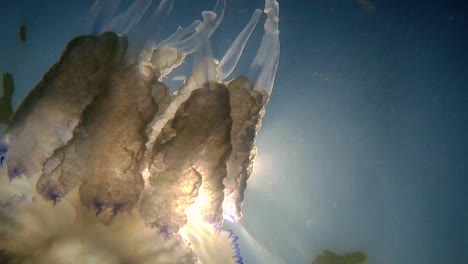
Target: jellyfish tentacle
{"x": 232, "y": 56}
{"x": 248, "y": 98}
{"x": 156, "y": 59}
{"x": 176, "y": 56}
{"x": 129, "y": 160}
{"x": 263, "y": 69}
{"x": 178, "y": 49}
{"x": 211, "y": 21}
{"x": 128, "y": 19}
{"x": 156, "y": 20}
{"x": 179, "y": 34}
{"x": 219, "y": 10}
{"x": 99, "y": 15}
{"x": 162, "y": 58}
{"x": 149, "y": 29}
{"x": 205, "y": 70}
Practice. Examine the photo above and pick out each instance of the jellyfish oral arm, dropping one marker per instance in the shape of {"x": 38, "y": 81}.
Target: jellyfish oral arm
{"x": 179, "y": 34}
{"x": 232, "y": 56}
{"x": 125, "y": 163}
{"x": 211, "y": 21}
{"x": 265, "y": 64}
{"x": 129, "y": 18}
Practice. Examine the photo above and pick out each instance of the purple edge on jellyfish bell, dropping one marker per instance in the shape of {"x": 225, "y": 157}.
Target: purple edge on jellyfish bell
{"x": 235, "y": 247}
{"x": 53, "y": 196}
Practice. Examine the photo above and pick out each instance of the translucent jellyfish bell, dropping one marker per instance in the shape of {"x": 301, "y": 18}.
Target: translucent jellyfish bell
{"x": 104, "y": 163}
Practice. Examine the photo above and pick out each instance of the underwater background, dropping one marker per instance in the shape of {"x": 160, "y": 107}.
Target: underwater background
{"x": 363, "y": 145}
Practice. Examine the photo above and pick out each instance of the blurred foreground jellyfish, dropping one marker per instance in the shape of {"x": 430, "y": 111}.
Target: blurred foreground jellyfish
{"x": 105, "y": 165}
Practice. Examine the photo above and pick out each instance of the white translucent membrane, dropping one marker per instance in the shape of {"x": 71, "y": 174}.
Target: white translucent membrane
{"x": 162, "y": 57}
{"x": 40, "y": 232}
{"x": 148, "y": 31}
{"x": 67, "y": 232}
{"x": 149, "y": 23}
{"x": 211, "y": 21}
{"x": 100, "y": 14}
{"x": 174, "y": 50}
{"x": 232, "y": 56}
{"x": 263, "y": 69}
{"x": 152, "y": 26}
{"x": 210, "y": 244}
{"x": 261, "y": 76}
{"x": 178, "y": 34}
{"x": 199, "y": 42}
{"x": 129, "y": 18}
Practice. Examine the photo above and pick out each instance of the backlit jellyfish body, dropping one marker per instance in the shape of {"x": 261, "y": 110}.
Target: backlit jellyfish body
{"x": 105, "y": 165}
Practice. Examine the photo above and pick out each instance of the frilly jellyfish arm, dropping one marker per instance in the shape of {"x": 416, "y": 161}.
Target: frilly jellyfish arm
{"x": 164, "y": 52}
{"x": 231, "y": 58}
{"x": 163, "y": 57}
{"x": 198, "y": 41}
{"x": 191, "y": 44}
{"x": 48, "y": 116}
{"x": 129, "y": 18}
{"x": 115, "y": 124}
{"x": 247, "y": 108}
{"x": 99, "y": 14}
{"x": 131, "y": 163}
{"x": 263, "y": 69}
{"x": 205, "y": 67}
{"x": 211, "y": 21}
{"x": 190, "y": 150}
{"x": 247, "y": 100}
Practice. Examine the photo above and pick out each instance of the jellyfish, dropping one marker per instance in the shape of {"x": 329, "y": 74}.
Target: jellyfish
{"x": 103, "y": 163}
